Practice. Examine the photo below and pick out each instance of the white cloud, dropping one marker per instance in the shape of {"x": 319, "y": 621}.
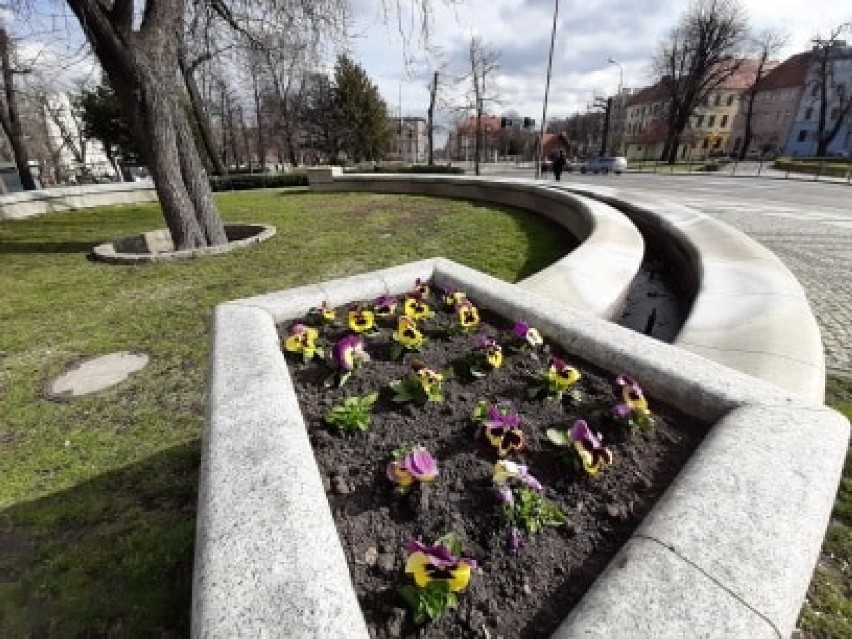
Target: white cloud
{"x": 588, "y": 34}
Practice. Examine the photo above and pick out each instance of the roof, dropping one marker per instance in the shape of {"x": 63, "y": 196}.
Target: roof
{"x": 740, "y": 80}
{"x": 489, "y": 123}
{"x": 789, "y": 74}
{"x": 648, "y": 95}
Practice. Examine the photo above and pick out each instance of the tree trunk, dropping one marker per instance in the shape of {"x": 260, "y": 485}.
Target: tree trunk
{"x": 430, "y": 129}
{"x": 10, "y": 119}
{"x": 747, "y": 134}
{"x": 201, "y": 118}
{"x": 142, "y": 66}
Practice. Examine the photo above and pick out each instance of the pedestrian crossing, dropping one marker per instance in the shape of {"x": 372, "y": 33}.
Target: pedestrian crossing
{"x": 826, "y": 217}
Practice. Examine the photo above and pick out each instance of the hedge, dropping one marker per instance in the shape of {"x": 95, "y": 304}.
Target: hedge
{"x": 257, "y": 181}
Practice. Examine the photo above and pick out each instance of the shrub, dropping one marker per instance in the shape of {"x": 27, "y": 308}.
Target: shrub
{"x": 257, "y": 181}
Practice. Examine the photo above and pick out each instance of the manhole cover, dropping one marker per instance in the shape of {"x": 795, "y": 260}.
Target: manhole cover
{"x": 96, "y": 374}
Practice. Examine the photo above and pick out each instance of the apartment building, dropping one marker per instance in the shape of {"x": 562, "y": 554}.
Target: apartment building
{"x": 774, "y": 109}
{"x": 409, "y": 140}
{"x": 710, "y": 125}
{"x": 802, "y": 139}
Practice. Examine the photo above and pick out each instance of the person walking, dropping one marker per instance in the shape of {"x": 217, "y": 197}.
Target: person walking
{"x": 559, "y": 165}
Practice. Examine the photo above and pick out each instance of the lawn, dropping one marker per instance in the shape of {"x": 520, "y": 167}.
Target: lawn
{"x": 97, "y": 503}
{"x": 98, "y": 493}
{"x": 827, "y": 613}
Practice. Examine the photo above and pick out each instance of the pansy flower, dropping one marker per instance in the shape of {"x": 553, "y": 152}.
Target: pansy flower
{"x": 502, "y": 430}
{"x": 415, "y": 465}
{"x": 323, "y": 314}
{"x": 428, "y": 564}
{"x": 590, "y": 448}
{"x": 361, "y": 319}
{"x": 453, "y": 296}
{"x": 348, "y": 353}
{"x": 384, "y": 305}
{"x": 632, "y": 396}
{"x": 562, "y": 375}
{"x": 407, "y": 333}
{"x": 416, "y": 309}
{"x": 302, "y": 339}
{"x": 430, "y": 380}
{"x": 492, "y": 350}
{"x": 507, "y": 474}
{"x": 468, "y": 314}
{"x": 421, "y": 290}
{"x": 523, "y": 331}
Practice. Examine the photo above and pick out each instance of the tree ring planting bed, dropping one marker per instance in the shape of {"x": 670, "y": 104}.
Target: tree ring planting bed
{"x": 525, "y": 594}
{"x": 157, "y": 246}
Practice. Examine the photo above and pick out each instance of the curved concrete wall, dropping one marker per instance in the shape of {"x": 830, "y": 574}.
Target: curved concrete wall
{"x": 593, "y": 278}
{"x": 18, "y": 206}
{"x": 748, "y": 312}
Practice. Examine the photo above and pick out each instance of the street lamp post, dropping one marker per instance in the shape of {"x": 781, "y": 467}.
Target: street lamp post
{"x": 620, "y": 74}
{"x": 540, "y": 148}
{"x": 619, "y": 100}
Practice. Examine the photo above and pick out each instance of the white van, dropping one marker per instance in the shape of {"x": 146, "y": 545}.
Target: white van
{"x": 615, "y": 165}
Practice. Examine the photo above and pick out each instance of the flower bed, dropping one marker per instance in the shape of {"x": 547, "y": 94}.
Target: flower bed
{"x": 499, "y": 459}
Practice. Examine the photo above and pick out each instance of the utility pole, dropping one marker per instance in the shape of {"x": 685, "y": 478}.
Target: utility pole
{"x": 606, "y": 106}
{"x": 540, "y": 145}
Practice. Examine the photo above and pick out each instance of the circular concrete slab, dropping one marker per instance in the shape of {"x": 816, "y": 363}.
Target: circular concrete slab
{"x": 96, "y": 374}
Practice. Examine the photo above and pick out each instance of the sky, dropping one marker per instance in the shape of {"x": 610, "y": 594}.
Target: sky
{"x": 588, "y": 34}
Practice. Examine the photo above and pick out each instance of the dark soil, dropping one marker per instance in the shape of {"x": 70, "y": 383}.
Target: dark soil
{"x": 525, "y": 595}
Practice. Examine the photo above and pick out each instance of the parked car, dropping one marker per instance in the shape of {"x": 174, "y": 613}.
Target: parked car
{"x": 605, "y": 165}
{"x": 546, "y": 165}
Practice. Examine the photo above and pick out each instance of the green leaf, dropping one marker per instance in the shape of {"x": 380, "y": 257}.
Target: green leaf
{"x": 558, "y": 437}
{"x": 451, "y": 540}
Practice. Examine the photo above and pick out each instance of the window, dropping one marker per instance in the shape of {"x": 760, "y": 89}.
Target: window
{"x": 718, "y": 99}
{"x": 705, "y": 143}
{"x": 711, "y": 121}
{"x": 730, "y": 99}
{"x": 698, "y": 121}
{"x": 809, "y": 112}
{"x": 803, "y": 135}
{"x": 815, "y": 90}
{"x": 724, "y": 121}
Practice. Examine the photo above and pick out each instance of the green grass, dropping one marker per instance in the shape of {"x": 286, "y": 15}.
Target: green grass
{"x": 97, "y": 502}
{"x": 827, "y": 612}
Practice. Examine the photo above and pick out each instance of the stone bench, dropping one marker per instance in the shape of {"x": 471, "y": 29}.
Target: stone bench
{"x": 593, "y": 279}
{"x": 749, "y": 311}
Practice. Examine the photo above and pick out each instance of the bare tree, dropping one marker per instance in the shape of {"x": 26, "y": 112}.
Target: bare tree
{"x": 701, "y": 53}
{"x": 483, "y": 64}
{"x": 9, "y": 114}
{"x": 767, "y": 43}
{"x": 827, "y": 89}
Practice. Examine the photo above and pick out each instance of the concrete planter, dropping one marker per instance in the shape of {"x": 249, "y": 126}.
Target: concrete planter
{"x": 728, "y": 551}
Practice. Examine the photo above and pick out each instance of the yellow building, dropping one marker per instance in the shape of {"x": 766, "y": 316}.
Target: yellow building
{"x": 709, "y": 127}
